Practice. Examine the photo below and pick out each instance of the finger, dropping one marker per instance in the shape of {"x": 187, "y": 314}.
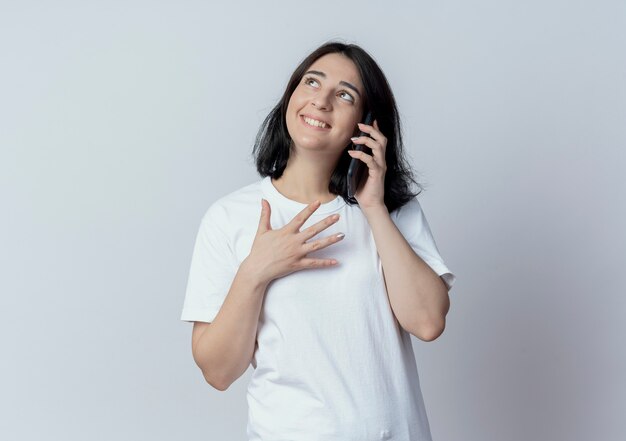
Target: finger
{"x": 365, "y": 142}
{"x": 316, "y": 228}
{"x": 368, "y": 159}
{"x": 264, "y": 220}
{"x": 323, "y": 243}
{"x": 306, "y": 263}
{"x": 373, "y": 132}
{"x": 299, "y": 219}
{"x": 370, "y": 130}
{"x": 377, "y": 150}
{"x": 383, "y": 139}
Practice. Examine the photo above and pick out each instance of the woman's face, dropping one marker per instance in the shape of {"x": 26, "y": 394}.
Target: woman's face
{"x": 330, "y": 91}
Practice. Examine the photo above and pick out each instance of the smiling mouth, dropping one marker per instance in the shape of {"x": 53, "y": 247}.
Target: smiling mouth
{"x": 313, "y": 126}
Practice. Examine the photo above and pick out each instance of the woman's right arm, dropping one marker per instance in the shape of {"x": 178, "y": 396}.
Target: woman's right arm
{"x": 223, "y": 348}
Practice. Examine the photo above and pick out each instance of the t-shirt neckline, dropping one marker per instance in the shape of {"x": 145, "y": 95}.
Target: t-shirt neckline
{"x": 277, "y": 197}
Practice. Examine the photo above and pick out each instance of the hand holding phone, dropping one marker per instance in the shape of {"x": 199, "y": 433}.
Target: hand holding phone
{"x": 356, "y": 166}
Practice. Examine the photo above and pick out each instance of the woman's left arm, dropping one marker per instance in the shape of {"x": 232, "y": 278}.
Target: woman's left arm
{"x": 418, "y": 296}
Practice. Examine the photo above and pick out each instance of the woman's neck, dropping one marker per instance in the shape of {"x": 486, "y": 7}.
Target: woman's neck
{"x": 303, "y": 190}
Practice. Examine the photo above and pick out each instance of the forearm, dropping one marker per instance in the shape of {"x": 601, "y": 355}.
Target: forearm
{"x": 223, "y": 352}
{"x": 418, "y": 296}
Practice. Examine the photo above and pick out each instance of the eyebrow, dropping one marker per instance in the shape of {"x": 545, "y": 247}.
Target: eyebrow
{"x": 344, "y": 83}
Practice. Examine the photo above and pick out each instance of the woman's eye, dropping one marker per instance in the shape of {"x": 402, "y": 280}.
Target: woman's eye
{"x": 347, "y": 94}
{"x": 308, "y": 80}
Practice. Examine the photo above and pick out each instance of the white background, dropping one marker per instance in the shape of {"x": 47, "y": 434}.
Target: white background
{"x": 121, "y": 122}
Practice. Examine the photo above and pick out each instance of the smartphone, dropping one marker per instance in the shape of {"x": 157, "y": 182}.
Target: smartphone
{"x": 357, "y": 167}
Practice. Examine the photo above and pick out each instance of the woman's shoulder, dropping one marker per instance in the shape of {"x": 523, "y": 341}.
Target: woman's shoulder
{"x": 233, "y": 205}
{"x": 410, "y": 208}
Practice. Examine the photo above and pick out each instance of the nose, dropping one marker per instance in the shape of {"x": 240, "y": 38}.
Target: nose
{"x": 321, "y": 101}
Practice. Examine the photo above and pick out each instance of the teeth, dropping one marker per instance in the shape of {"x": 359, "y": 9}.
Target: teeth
{"x": 315, "y": 123}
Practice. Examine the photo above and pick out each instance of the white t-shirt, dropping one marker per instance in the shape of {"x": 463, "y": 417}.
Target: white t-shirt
{"x": 331, "y": 362}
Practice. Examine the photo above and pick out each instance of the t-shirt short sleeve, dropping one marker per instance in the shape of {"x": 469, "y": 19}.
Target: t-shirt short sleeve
{"x": 213, "y": 268}
{"x": 412, "y": 223}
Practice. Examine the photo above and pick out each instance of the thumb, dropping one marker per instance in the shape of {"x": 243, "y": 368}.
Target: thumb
{"x": 264, "y": 221}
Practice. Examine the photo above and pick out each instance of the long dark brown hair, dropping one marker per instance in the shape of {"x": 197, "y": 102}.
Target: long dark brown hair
{"x": 272, "y": 145}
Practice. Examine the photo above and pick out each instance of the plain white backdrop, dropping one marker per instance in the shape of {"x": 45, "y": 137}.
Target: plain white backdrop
{"x": 121, "y": 122}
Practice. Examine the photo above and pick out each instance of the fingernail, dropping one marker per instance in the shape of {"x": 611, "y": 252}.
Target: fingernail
{"x": 355, "y": 138}
{"x": 340, "y": 236}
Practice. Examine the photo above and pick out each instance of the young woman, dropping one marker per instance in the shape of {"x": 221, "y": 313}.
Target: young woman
{"x": 324, "y": 318}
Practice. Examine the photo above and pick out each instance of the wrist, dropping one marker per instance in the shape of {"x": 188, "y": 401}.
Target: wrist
{"x": 254, "y": 274}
